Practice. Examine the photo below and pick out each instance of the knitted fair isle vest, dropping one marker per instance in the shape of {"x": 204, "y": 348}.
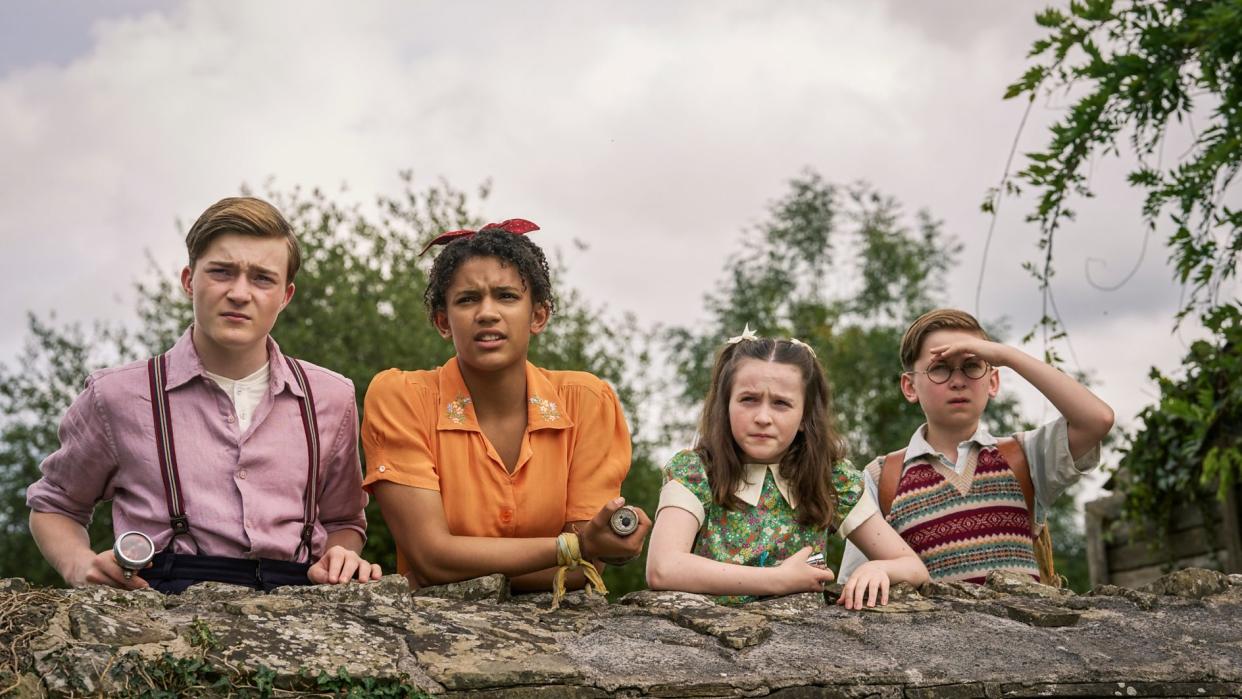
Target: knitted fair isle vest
{"x": 961, "y": 537}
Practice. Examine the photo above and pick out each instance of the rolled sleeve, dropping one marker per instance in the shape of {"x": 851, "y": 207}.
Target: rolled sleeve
{"x": 398, "y": 433}
{"x": 80, "y": 473}
{"x": 601, "y": 453}
{"x": 1053, "y": 468}
{"x": 863, "y": 511}
{"x": 868, "y": 504}
{"x": 676, "y": 494}
{"x": 343, "y": 503}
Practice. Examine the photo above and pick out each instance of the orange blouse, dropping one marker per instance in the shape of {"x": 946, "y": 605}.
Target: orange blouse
{"x": 419, "y": 429}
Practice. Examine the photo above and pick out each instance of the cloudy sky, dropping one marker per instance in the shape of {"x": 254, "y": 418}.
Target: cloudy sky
{"x": 654, "y": 132}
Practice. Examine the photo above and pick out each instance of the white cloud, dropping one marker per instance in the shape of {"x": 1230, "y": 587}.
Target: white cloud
{"x": 655, "y": 132}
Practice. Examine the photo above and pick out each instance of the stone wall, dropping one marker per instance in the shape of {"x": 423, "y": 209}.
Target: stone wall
{"x": 1010, "y": 638}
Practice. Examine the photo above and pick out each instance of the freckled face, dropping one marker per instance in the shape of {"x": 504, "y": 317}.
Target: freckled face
{"x": 765, "y": 409}
{"x": 238, "y": 289}
{"x": 489, "y": 315}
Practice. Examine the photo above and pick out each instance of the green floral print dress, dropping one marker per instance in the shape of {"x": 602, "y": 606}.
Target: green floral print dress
{"x": 762, "y": 534}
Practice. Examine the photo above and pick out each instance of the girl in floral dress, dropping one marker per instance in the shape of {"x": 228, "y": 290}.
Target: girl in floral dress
{"x": 767, "y": 482}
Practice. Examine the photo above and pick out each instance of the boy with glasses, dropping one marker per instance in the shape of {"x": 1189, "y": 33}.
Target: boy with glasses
{"x": 967, "y": 502}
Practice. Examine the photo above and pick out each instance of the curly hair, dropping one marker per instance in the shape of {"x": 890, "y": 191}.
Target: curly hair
{"x": 510, "y": 249}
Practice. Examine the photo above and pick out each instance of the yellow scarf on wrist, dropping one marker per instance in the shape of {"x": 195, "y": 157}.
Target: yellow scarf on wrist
{"x": 569, "y": 557}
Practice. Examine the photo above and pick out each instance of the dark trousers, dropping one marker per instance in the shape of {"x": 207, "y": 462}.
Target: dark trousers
{"x": 172, "y": 573}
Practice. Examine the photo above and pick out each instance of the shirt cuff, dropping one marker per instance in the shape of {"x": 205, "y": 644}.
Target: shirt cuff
{"x": 385, "y": 472}
{"x": 676, "y": 494}
{"x": 861, "y": 513}
{"x": 332, "y": 527}
{"x": 43, "y": 496}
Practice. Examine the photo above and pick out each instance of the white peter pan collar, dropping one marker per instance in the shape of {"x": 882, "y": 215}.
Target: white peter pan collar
{"x": 751, "y": 485}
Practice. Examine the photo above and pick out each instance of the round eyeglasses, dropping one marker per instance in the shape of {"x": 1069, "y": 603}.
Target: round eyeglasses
{"x": 940, "y": 372}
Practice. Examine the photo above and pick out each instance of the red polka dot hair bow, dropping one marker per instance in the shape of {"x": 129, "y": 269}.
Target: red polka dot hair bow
{"x": 516, "y": 226}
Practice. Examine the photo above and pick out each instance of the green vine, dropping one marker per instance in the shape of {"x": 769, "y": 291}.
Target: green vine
{"x": 1189, "y": 450}
{"x": 1138, "y": 69}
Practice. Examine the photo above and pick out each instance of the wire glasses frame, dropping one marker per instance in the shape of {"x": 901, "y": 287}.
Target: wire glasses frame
{"x": 973, "y": 369}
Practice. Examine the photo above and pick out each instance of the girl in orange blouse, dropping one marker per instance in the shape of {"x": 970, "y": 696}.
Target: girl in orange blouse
{"x": 490, "y": 464}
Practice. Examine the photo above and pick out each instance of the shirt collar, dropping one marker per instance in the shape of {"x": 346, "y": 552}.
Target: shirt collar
{"x": 544, "y": 408}
{"x": 751, "y": 486}
{"x": 184, "y": 364}
{"x": 919, "y": 447}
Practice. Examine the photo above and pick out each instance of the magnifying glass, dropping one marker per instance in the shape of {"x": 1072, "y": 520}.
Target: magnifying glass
{"x": 624, "y": 521}
{"x": 133, "y": 551}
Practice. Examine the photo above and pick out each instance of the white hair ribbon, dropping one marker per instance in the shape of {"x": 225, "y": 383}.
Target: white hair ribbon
{"x": 747, "y": 334}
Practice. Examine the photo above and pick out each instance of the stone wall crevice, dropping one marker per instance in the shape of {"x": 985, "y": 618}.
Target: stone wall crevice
{"x": 1011, "y": 638}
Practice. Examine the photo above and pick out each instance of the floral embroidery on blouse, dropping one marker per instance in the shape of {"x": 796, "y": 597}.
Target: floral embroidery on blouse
{"x": 456, "y": 410}
{"x": 765, "y": 534}
{"x": 547, "y": 409}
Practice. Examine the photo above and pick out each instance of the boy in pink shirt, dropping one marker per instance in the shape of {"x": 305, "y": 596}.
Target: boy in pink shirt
{"x": 238, "y": 462}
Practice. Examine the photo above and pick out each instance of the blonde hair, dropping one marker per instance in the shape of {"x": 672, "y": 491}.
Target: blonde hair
{"x": 929, "y": 322}
{"x": 243, "y": 216}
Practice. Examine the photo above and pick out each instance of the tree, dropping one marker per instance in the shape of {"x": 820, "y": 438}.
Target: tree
{"x": 358, "y": 310}
{"x": 53, "y": 364}
{"x": 844, "y": 270}
{"x": 1141, "y": 68}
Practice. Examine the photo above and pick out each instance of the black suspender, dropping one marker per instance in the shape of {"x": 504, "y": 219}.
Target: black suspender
{"x": 310, "y": 500}
{"x": 157, "y": 375}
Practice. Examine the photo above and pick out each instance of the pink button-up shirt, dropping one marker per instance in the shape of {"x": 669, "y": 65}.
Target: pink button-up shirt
{"x": 242, "y": 491}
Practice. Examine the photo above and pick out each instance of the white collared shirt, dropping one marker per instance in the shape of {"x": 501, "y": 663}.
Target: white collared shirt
{"x": 245, "y": 393}
{"x": 675, "y": 494}
{"x": 1052, "y": 468}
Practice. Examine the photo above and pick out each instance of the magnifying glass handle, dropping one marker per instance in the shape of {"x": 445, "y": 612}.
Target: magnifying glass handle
{"x": 624, "y": 521}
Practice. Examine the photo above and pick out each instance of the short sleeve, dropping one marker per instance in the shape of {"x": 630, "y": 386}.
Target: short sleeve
{"x": 79, "y": 474}
{"x": 853, "y": 506}
{"x": 600, "y": 458}
{"x": 398, "y": 432}
{"x": 1053, "y": 468}
{"x": 686, "y": 486}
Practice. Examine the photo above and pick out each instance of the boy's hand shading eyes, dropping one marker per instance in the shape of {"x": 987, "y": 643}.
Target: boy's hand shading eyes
{"x": 801, "y": 576}
{"x": 869, "y": 583}
{"x": 993, "y": 353}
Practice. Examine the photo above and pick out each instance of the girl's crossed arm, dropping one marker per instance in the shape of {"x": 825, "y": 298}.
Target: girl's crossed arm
{"x": 891, "y": 560}
{"x": 436, "y": 556}
{"x": 671, "y": 565}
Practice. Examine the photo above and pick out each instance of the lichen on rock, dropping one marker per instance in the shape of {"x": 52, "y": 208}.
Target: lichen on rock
{"x": 1011, "y": 637}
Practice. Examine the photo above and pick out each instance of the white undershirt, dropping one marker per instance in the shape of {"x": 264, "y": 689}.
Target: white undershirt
{"x": 245, "y": 393}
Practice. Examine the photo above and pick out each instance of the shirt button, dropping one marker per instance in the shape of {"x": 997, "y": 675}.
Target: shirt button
{"x": 242, "y": 474}
{"x": 249, "y": 525}
{"x": 382, "y": 468}
{"x": 229, "y": 419}
{"x": 506, "y": 515}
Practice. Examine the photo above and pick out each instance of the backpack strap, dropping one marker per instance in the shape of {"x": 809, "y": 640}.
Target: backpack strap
{"x": 1011, "y": 451}
{"x": 310, "y": 425}
{"x": 165, "y": 447}
{"x": 890, "y": 475}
